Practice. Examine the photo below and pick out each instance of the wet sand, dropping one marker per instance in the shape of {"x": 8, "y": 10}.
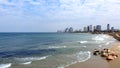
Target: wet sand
{"x": 99, "y": 62}
{"x": 93, "y": 62}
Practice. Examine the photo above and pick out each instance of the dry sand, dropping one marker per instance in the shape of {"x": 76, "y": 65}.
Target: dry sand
{"x": 116, "y": 62}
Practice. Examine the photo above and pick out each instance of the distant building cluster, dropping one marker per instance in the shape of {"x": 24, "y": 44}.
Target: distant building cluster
{"x": 91, "y": 29}
{"x": 98, "y": 28}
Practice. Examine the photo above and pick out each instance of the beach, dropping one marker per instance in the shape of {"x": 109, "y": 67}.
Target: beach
{"x": 53, "y": 50}
{"x": 100, "y": 62}
{"x": 116, "y": 62}
{"x": 94, "y": 62}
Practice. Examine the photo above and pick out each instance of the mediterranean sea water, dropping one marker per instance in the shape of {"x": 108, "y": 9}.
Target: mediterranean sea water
{"x": 48, "y": 50}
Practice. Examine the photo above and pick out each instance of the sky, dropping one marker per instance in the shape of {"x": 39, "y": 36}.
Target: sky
{"x": 53, "y": 15}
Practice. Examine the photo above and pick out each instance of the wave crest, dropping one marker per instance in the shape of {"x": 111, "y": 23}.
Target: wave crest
{"x": 83, "y": 42}
{"x": 26, "y": 63}
{"x": 31, "y": 58}
{"x": 83, "y": 56}
{"x": 5, "y": 65}
{"x": 56, "y": 47}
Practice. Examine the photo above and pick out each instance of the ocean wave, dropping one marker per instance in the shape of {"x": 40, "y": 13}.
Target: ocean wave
{"x": 81, "y": 57}
{"x": 101, "y": 38}
{"x": 31, "y": 58}
{"x": 83, "y": 42}
{"x": 26, "y": 63}
{"x": 98, "y": 38}
{"x": 107, "y": 43}
{"x": 5, "y": 65}
{"x": 100, "y": 45}
{"x": 56, "y": 47}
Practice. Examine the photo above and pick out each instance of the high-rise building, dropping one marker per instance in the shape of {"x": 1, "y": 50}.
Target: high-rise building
{"x": 70, "y": 30}
{"x": 85, "y": 29}
{"x": 88, "y": 28}
{"x": 98, "y": 27}
{"x": 91, "y": 28}
{"x": 112, "y": 29}
{"x": 108, "y": 27}
{"x": 66, "y": 30}
{"x": 94, "y": 28}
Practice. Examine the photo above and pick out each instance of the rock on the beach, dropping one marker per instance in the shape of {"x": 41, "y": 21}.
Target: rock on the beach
{"x": 110, "y": 57}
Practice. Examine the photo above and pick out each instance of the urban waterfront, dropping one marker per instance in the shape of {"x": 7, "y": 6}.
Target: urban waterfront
{"x": 91, "y": 29}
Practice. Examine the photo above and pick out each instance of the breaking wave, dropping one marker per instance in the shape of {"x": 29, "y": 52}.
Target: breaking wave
{"x": 101, "y": 38}
{"x": 81, "y": 57}
{"x": 5, "y": 65}
{"x": 56, "y": 47}
{"x": 98, "y": 38}
{"x": 29, "y": 59}
{"x": 26, "y": 63}
{"x": 83, "y": 42}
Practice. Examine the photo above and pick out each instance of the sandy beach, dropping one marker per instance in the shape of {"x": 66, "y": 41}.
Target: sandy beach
{"x": 116, "y": 62}
{"x": 94, "y": 62}
{"x": 99, "y": 62}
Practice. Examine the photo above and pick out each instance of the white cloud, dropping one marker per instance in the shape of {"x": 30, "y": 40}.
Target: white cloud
{"x": 61, "y": 13}
{"x": 114, "y": 1}
{"x": 62, "y": 9}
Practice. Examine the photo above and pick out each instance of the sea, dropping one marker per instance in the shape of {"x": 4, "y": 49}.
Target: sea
{"x": 49, "y": 50}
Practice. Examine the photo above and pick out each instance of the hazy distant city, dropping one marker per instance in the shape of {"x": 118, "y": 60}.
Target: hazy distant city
{"x": 90, "y": 29}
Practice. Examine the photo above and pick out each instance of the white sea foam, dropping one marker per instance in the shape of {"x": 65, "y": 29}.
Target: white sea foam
{"x": 61, "y": 67}
{"x": 100, "y": 45}
{"x": 101, "y": 37}
{"x": 5, "y": 65}
{"x": 83, "y": 42}
{"x": 84, "y": 46}
{"x": 98, "y": 38}
{"x": 107, "y": 43}
{"x": 56, "y": 47}
{"x": 31, "y": 58}
{"x": 26, "y": 63}
{"x": 81, "y": 57}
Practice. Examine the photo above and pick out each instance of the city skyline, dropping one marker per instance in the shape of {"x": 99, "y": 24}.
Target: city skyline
{"x": 53, "y": 15}
{"x": 90, "y": 28}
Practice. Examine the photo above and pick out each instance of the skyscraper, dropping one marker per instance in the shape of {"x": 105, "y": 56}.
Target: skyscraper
{"x": 66, "y": 30}
{"x": 91, "y": 28}
{"x": 98, "y": 27}
{"x": 108, "y": 27}
{"x": 85, "y": 29}
{"x": 88, "y": 28}
{"x": 70, "y": 30}
{"x": 94, "y": 28}
{"x": 112, "y": 29}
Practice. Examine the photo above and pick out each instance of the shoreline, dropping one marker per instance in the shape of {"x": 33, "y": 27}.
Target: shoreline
{"x": 99, "y": 62}
{"x": 93, "y": 62}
